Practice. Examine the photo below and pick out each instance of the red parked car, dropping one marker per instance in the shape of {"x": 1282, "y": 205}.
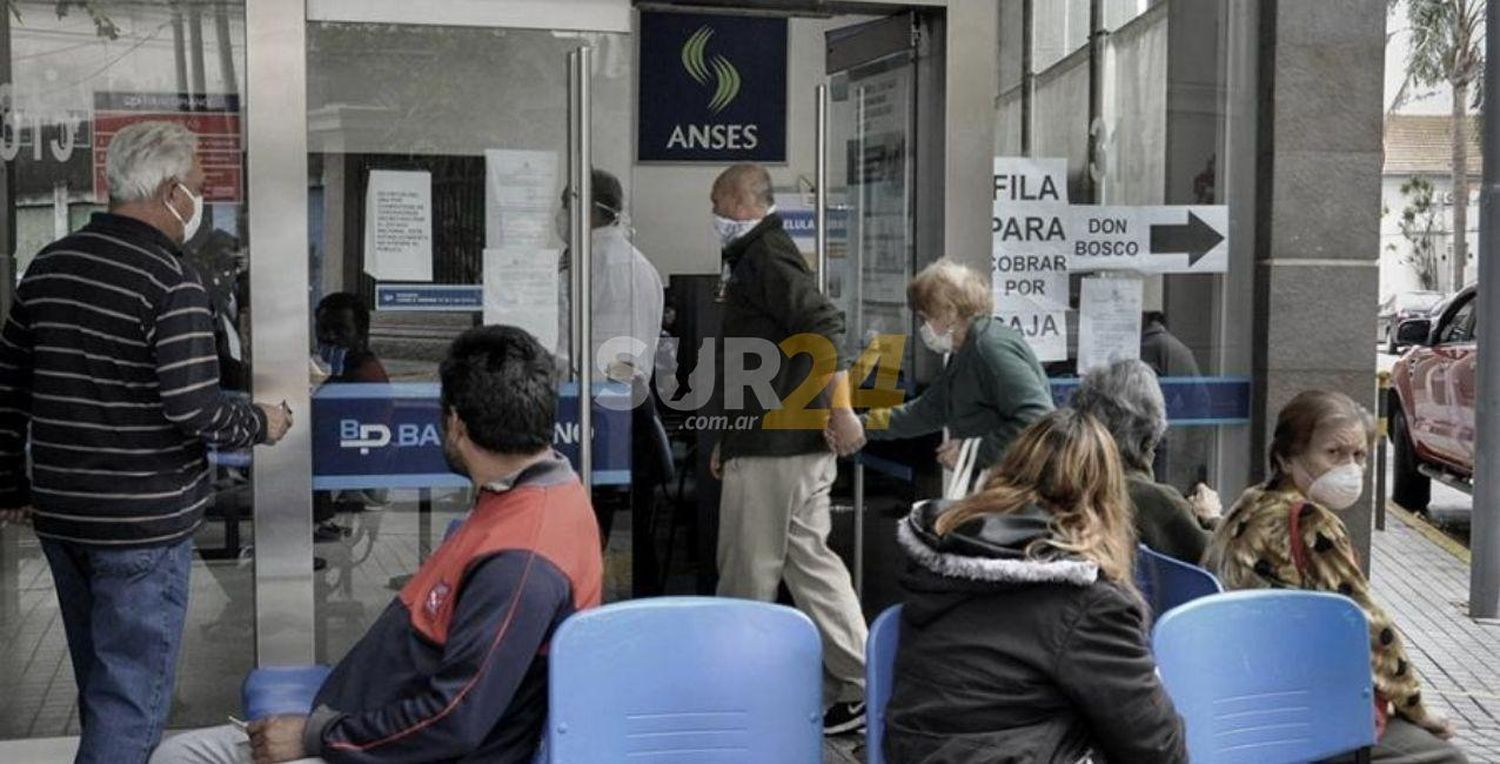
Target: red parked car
{"x": 1432, "y": 401}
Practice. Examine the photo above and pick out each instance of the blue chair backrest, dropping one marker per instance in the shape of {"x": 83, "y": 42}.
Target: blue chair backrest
{"x": 1268, "y": 676}
{"x": 686, "y": 679}
{"x": 1166, "y": 582}
{"x": 275, "y": 690}
{"x": 880, "y": 670}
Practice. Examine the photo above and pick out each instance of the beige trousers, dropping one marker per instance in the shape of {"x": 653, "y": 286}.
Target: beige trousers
{"x": 773, "y": 527}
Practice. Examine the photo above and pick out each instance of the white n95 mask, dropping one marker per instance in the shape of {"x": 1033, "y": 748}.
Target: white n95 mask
{"x": 1338, "y": 488}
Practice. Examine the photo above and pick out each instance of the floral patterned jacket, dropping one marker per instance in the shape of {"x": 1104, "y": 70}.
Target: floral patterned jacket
{"x": 1252, "y": 549}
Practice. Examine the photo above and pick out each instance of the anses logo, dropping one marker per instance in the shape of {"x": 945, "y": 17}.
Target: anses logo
{"x": 725, "y": 76}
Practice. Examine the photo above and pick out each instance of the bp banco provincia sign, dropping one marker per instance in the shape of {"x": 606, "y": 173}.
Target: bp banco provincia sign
{"x": 1039, "y": 239}
{"x": 712, "y": 88}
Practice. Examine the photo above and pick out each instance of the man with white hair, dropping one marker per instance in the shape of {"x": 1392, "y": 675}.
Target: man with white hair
{"x": 108, "y": 359}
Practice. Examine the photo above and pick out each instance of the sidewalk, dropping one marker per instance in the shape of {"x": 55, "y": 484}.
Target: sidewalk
{"x": 1421, "y": 578}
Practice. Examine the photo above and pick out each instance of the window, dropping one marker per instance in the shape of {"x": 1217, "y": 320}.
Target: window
{"x": 1461, "y": 327}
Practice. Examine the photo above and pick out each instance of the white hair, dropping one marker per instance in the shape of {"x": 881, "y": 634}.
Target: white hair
{"x": 145, "y": 155}
{"x": 1126, "y": 397}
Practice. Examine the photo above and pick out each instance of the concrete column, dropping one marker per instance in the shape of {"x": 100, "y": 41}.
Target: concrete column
{"x": 1317, "y": 210}
{"x": 972, "y": 83}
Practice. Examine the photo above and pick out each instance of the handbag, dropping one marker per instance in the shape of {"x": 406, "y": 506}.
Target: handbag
{"x": 958, "y": 483}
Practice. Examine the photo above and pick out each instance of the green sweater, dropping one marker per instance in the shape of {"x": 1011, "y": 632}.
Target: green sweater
{"x": 992, "y": 388}
{"x": 1164, "y": 520}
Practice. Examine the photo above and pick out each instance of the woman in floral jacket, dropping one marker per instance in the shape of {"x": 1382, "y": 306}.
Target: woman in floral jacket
{"x": 1286, "y": 534}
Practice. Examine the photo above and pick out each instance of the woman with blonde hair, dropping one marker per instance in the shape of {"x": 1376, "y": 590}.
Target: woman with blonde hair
{"x": 993, "y": 385}
{"x": 1023, "y": 638}
{"x": 1287, "y": 534}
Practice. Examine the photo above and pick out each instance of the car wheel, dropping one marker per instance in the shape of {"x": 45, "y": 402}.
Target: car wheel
{"x": 1391, "y": 348}
{"x": 1409, "y": 488}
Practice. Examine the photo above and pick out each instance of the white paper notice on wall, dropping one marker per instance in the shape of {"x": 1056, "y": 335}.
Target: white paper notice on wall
{"x": 1109, "y": 323}
{"x": 520, "y": 197}
{"x": 1030, "y": 281}
{"x": 1031, "y": 297}
{"x": 1030, "y": 180}
{"x": 520, "y": 289}
{"x": 398, "y": 225}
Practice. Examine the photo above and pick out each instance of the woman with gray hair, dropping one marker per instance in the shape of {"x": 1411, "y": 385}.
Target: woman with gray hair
{"x": 1126, "y": 397}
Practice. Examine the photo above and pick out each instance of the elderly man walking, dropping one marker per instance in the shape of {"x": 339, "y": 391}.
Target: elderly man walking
{"x": 774, "y": 511}
{"x": 108, "y": 358}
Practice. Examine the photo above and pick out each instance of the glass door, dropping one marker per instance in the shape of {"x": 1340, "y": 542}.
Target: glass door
{"x": 870, "y": 146}
{"x": 72, "y": 80}
{"x": 449, "y": 188}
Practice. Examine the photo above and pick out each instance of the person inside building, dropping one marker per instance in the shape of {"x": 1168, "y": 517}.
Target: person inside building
{"x": 341, "y": 325}
{"x": 1023, "y": 637}
{"x": 1287, "y": 534}
{"x": 1127, "y": 398}
{"x": 342, "y": 328}
{"x": 627, "y": 305}
{"x": 456, "y": 666}
{"x": 1180, "y": 457}
{"x": 627, "y": 295}
{"x": 774, "y": 512}
{"x": 112, "y": 387}
{"x": 992, "y": 387}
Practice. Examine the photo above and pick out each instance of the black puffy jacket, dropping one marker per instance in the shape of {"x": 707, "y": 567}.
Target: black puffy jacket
{"x": 1004, "y": 658}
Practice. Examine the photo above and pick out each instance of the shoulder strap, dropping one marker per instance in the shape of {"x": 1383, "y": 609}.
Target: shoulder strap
{"x": 1294, "y": 529}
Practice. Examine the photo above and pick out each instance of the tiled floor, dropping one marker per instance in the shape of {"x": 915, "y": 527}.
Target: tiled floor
{"x": 1425, "y": 589}
{"x": 37, "y": 691}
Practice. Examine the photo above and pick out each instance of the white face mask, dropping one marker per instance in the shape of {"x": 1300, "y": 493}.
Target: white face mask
{"x": 189, "y": 226}
{"x": 1338, "y": 488}
{"x": 937, "y": 343}
{"x": 729, "y": 229}
{"x": 562, "y": 223}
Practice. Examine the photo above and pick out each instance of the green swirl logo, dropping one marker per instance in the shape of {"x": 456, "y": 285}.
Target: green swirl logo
{"x": 702, "y": 69}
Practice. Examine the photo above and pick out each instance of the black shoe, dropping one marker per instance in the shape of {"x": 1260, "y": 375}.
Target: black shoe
{"x": 843, "y": 718}
{"x": 328, "y": 532}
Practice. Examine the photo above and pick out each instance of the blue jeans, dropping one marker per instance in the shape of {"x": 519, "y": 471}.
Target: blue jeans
{"x": 123, "y": 611}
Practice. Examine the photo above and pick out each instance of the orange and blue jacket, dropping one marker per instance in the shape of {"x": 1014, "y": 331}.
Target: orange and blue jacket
{"x": 455, "y": 669}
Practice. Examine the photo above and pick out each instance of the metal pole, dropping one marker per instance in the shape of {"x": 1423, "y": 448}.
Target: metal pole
{"x": 859, "y": 528}
{"x": 1027, "y": 79}
{"x": 195, "y": 50}
{"x": 820, "y": 194}
{"x": 179, "y": 51}
{"x": 226, "y": 50}
{"x": 580, "y": 204}
{"x": 8, "y": 262}
{"x": 276, "y": 127}
{"x": 1382, "y": 436}
{"x": 1484, "y": 570}
{"x": 1096, "y": 96}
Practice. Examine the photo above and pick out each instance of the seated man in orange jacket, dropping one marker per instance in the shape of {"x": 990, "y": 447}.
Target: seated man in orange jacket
{"x": 456, "y": 666}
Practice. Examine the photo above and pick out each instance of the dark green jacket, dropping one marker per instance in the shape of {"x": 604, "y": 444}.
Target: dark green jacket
{"x": 772, "y": 295}
{"x": 1164, "y": 520}
{"x": 993, "y": 387}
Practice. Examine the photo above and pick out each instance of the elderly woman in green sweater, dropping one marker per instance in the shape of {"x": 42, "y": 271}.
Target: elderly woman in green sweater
{"x": 992, "y": 387}
{"x": 1126, "y": 396}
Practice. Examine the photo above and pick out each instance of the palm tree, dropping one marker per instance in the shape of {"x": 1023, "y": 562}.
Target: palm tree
{"x": 1447, "y": 46}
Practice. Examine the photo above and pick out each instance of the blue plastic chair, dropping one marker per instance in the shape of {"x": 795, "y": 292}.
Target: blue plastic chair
{"x": 686, "y": 679}
{"x": 1166, "y": 583}
{"x": 274, "y": 690}
{"x": 1269, "y": 676}
{"x": 880, "y": 670}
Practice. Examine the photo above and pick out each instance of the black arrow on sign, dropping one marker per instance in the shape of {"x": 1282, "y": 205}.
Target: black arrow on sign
{"x": 1196, "y": 239}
